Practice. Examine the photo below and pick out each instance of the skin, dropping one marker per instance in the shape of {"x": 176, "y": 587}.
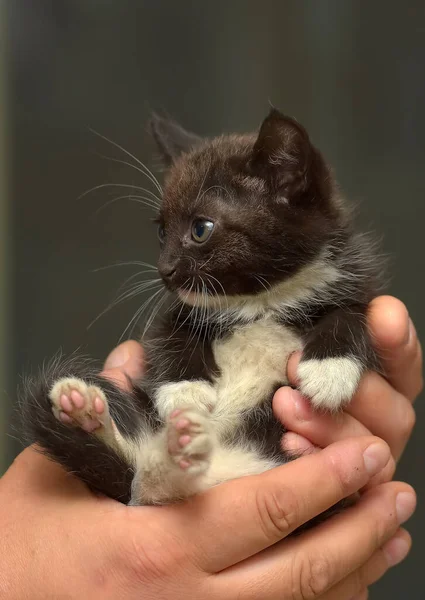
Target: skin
{"x": 60, "y": 541}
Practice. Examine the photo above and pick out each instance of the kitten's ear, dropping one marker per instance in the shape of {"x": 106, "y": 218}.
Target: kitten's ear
{"x": 172, "y": 140}
{"x": 282, "y": 154}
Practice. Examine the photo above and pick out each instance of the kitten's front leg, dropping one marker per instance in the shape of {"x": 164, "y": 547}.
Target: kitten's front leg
{"x": 336, "y": 354}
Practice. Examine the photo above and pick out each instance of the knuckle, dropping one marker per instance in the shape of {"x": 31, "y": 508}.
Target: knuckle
{"x": 278, "y": 512}
{"x": 374, "y": 569}
{"x": 342, "y": 478}
{"x": 311, "y": 576}
{"x": 384, "y": 523}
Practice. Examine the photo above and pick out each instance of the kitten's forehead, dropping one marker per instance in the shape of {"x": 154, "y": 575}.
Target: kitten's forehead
{"x": 219, "y": 165}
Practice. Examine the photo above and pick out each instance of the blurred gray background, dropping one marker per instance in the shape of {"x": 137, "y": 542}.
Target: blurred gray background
{"x": 352, "y": 72}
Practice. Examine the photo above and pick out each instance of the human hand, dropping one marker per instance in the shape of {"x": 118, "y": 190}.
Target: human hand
{"x": 59, "y": 540}
{"x": 381, "y": 407}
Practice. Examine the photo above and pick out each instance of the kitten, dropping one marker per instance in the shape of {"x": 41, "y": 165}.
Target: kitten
{"x": 260, "y": 258}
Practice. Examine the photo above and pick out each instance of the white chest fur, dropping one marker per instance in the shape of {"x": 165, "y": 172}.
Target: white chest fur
{"x": 252, "y": 361}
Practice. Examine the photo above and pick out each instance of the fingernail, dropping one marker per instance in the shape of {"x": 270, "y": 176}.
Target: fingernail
{"x": 302, "y": 407}
{"x": 405, "y": 506}
{"x": 376, "y": 457}
{"x": 117, "y": 358}
{"x": 396, "y": 550}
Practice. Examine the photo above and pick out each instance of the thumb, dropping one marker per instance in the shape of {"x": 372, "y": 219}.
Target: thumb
{"x": 124, "y": 362}
{"x": 243, "y": 517}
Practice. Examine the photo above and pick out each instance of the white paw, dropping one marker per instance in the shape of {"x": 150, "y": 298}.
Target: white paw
{"x": 81, "y": 405}
{"x": 190, "y": 440}
{"x": 330, "y": 382}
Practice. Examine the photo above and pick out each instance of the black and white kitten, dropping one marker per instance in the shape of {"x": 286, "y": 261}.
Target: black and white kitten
{"x": 260, "y": 257}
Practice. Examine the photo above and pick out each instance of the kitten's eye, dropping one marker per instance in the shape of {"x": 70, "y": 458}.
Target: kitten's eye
{"x": 161, "y": 233}
{"x": 201, "y": 230}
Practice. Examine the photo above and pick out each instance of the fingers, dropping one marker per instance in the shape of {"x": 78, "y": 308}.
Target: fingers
{"x": 353, "y": 586}
{"x": 297, "y": 445}
{"x": 242, "y": 517}
{"x": 125, "y": 361}
{"x": 312, "y": 564}
{"x": 397, "y": 343}
{"x": 322, "y": 429}
{"x": 389, "y": 416}
{"x": 379, "y": 406}
{"x": 384, "y": 411}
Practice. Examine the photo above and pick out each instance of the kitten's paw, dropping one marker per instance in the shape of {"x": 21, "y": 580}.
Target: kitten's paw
{"x": 329, "y": 383}
{"x": 81, "y": 405}
{"x": 190, "y": 440}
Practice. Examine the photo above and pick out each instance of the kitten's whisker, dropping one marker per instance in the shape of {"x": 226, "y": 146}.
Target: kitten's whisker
{"x": 221, "y": 312}
{"x": 124, "y": 284}
{"x": 148, "y": 172}
{"x": 174, "y": 331}
{"x": 123, "y": 162}
{"x": 154, "y": 313}
{"x": 125, "y": 296}
{"x": 145, "y": 201}
{"x": 110, "y": 184}
{"x": 257, "y": 278}
{"x": 207, "y": 261}
{"x": 212, "y": 187}
{"x": 224, "y": 291}
{"x": 209, "y": 321}
{"x": 178, "y": 301}
{"x": 138, "y": 313}
{"x": 134, "y": 290}
{"x": 148, "y": 202}
{"x": 202, "y": 185}
{"x": 152, "y": 268}
{"x": 182, "y": 306}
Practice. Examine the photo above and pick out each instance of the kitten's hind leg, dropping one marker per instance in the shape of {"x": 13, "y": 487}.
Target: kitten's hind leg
{"x": 173, "y": 464}
{"x": 63, "y": 410}
{"x": 76, "y": 403}
{"x": 191, "y": 440}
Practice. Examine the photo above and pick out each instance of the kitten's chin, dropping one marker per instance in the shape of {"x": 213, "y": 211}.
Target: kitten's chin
{"x": 191, "y": 298}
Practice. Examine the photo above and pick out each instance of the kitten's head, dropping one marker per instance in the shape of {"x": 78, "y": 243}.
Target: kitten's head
{"x": 241, "y": 213}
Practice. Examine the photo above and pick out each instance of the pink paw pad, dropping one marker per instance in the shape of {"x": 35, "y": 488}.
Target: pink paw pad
{"x": 99, "y": 405}
{"x": 184, "y": 464}
{"x": 188, "y": 439}
{"x": 79, "y": 404}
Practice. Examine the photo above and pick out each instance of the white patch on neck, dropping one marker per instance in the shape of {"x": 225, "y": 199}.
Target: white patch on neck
{"x": 311, "y": 284}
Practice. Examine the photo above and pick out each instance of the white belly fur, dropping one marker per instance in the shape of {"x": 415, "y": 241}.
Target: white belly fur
{"x": 252, "y": 363}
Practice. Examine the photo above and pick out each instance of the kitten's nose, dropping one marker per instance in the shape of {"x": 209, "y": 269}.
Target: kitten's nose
{"x": 167, "y": 272}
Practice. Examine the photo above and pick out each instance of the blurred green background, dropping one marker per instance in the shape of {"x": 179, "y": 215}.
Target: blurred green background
{"x": 352, "y": 72}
